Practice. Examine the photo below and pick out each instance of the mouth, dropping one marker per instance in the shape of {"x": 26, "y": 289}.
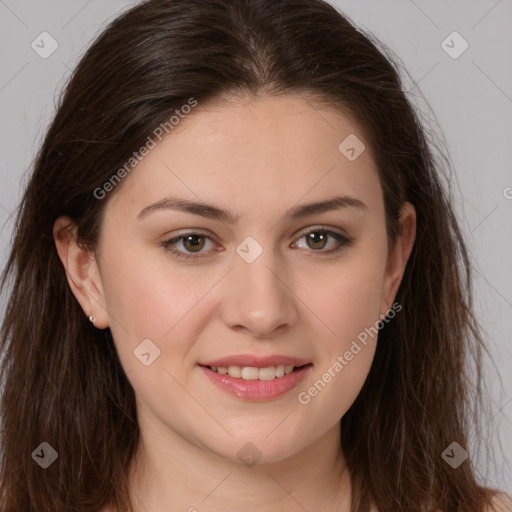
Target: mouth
{"x": 256, "y": 384}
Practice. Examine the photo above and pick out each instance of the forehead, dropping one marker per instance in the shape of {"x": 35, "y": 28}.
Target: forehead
{"x": 267, "y": 152}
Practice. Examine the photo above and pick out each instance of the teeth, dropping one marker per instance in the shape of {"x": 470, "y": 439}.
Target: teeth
{"x": 235, "y": 371}
{"x": 253, "y": 373}
{"x": 268, "y": 373}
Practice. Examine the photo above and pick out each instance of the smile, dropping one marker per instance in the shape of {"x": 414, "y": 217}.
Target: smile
{"x": 256, "y": 384}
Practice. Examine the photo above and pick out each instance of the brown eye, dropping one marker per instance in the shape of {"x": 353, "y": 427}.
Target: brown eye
{"x": 317, "y": 239}
{"x": 193, "y": 243}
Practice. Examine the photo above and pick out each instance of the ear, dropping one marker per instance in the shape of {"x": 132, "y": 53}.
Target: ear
{"x": 398, "y": 256}
{"x": 81, "y": 271}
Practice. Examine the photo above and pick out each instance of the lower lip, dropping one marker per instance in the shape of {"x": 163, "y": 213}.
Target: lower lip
{"x": 257, "y": 390}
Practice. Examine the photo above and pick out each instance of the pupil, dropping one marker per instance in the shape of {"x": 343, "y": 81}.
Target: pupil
{"x": 316, "y": 238}
{"x": 194, "y": 243}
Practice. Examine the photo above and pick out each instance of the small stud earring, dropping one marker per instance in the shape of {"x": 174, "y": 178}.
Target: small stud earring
{"x": 91, "y": 319}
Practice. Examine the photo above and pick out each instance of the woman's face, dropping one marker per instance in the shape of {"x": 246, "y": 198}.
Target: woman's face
{"x": 263, "y": 285}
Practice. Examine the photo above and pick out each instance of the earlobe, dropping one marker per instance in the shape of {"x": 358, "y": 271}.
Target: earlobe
{"x": 81, "y": 271}
{"x": 398, "y": 256}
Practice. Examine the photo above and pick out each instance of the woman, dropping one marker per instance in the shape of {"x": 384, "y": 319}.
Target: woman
{"x": 234, "y": 202}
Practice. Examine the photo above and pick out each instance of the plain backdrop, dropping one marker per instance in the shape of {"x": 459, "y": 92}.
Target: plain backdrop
{"x": 470, "y": 97}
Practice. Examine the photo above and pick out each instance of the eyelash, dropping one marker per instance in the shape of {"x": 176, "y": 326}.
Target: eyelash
{"x": 344, "y": 240}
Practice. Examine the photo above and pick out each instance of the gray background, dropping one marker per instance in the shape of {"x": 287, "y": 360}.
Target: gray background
{"x": 470, "y": 96}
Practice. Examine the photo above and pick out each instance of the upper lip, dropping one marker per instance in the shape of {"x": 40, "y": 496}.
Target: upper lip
{"x": 256, "y": 361}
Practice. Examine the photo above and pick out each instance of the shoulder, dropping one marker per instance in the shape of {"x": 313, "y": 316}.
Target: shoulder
{"x": 501, "y": 503}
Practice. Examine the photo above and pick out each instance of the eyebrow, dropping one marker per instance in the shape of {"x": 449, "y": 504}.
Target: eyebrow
{"x": 214, "y": 212}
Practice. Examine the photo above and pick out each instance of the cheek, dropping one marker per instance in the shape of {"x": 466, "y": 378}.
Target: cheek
{"x": 348, "y": 302}
{"x": 349, "y": 314}
{"x": 334, "y": 387}
{"x": 163, "y": 306}
{"x": 345, "y": 357}
{"x": 149, "y": 298}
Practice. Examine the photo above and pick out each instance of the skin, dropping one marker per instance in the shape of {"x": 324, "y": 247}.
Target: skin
{"x": 257, "y": 157}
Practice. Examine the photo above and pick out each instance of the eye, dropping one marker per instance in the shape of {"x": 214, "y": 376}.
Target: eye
{"x": 194, "y": 242}
{"x": 316, "y": 239}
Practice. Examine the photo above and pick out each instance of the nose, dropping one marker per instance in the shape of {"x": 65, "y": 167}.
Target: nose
{"x": 259, "y": 296}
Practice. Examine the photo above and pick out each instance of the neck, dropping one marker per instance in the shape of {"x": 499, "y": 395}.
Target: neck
{"x": 171, "y": 474}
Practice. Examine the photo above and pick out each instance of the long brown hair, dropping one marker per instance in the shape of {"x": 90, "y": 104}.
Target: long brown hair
{"x": 63, "y": 382}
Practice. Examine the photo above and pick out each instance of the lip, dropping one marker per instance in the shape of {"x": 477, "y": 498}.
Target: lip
{"x": 256, "y": 361}
{"x": 257, "y": 390}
